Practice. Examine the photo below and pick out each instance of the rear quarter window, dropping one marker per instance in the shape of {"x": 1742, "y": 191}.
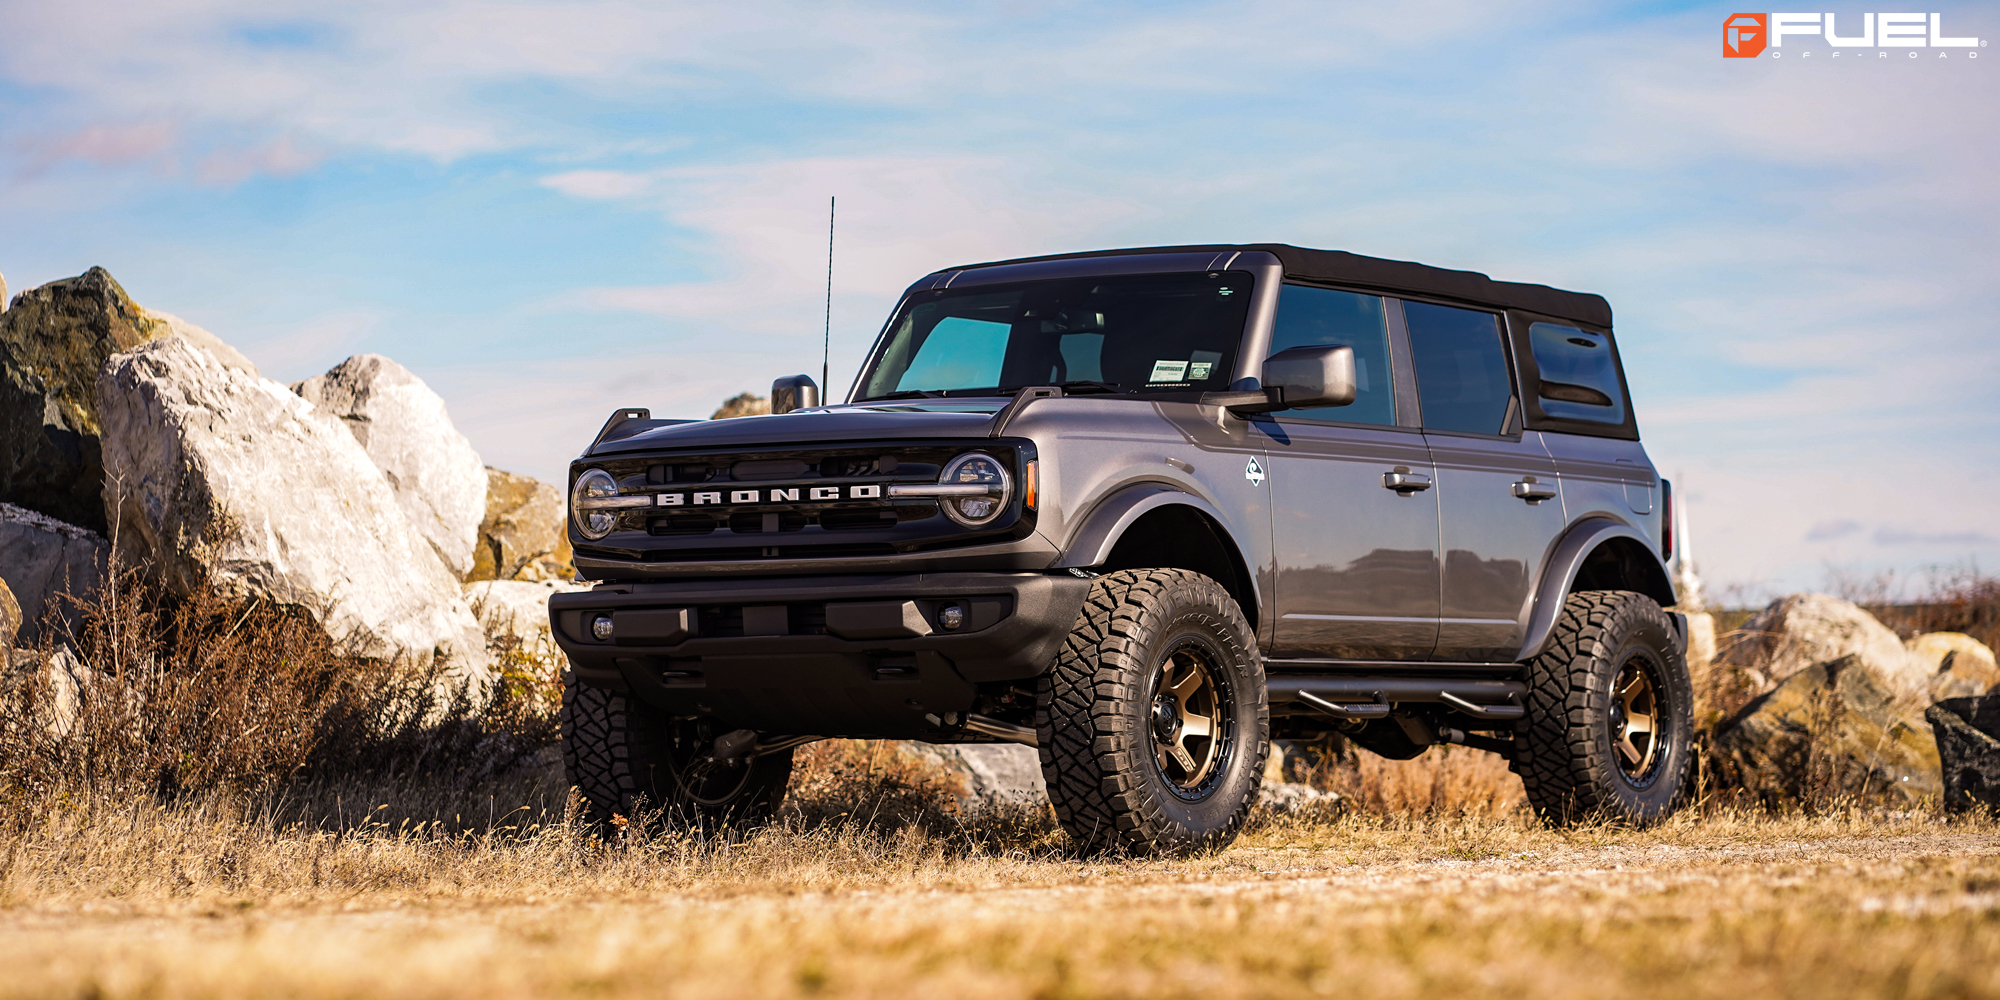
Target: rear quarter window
{"x": 1579, "y": 376}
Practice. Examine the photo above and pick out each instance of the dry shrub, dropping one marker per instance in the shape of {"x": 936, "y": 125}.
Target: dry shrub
{"x": 145, "y": 692}
{"x": 1963, "y": 602}
{"x": 1444, "y": 782}
{"x": 872, "y": 783}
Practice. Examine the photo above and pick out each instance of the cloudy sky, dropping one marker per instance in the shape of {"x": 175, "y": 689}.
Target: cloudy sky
{"x": 548, "y": 210}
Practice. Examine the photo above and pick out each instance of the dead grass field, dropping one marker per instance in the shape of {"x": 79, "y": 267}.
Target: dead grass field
{"x": 1456, "y": 896}
{"x": 171, "y": 839}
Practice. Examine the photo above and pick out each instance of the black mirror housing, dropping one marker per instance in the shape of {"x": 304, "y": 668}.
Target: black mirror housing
{"x": 794, "y": 392}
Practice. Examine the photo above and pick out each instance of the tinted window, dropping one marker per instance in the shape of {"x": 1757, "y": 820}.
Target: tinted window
{"x": 1461, "y": 367}
{"x": 1322, "y": 317}
{"x": 960, "y": 353}
{"x": 1579, "y": 377}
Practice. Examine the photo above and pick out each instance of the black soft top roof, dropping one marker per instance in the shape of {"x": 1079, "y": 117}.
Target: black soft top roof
{"x": 1346, "y": 268}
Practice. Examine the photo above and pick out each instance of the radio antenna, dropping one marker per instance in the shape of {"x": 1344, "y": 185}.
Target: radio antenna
{"x": 826, "y": 333}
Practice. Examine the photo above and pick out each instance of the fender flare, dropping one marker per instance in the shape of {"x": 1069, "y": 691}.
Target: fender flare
{"x": 1090, "y": 544}
{"x": 1567, "y": 560}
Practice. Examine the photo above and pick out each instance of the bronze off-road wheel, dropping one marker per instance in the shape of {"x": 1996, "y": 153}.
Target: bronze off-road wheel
{"x": 627, "y": 758}
{"x": 1154, "y": 723}
{"x": 1610, "y": 714}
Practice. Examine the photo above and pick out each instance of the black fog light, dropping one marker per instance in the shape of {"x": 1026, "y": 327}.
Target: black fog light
{"x": 952, "y": 617}
{"x": 600, "y": 627}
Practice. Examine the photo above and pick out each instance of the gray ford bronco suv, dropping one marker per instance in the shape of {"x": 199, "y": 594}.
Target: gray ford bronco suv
{"x": 1145, "y": 510}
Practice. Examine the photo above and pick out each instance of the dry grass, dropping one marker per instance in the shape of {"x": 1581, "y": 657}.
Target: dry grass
{"x": 402, "y": 854}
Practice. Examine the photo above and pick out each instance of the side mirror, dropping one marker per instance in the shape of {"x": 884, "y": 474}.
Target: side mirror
{"x": 1312, "y": 376}
{"x": 797, "y": 392}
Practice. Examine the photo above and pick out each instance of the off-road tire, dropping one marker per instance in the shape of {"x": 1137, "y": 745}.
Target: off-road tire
{"x": 1564, "y": 747}
{"x": 1096, "y": 728}
{"x": 628, "y": 759}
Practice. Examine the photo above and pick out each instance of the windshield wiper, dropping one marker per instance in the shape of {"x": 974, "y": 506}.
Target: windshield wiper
{"x": 907, "y": 394}
{"x": 1086, "y": 384}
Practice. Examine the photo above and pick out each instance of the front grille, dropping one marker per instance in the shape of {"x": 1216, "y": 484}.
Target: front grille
{"x": 726, "y": 621}
{"x": 771, "y": 552}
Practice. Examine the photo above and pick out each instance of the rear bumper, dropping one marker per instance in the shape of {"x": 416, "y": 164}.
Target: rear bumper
{"x": 827, "y": 655}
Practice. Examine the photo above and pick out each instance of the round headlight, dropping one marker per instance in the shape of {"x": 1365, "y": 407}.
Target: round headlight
{"x": 593, "y": 523}
{"x": 976, "y": 469}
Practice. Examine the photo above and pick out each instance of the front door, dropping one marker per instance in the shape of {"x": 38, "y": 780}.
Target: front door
{"x": 1353, "y": 517}
{"x": 1498, "y": 507}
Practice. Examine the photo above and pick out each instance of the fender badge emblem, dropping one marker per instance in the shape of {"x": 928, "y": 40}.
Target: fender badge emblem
{"x": 1254, "y": 472}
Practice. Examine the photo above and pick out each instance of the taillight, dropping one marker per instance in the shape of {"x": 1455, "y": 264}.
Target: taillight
{"x": 1667, "y": 515}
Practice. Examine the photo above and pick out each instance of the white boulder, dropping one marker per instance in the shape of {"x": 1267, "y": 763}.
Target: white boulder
{"x": 220, "y": 477}
{"x": 1960, "y": 665}
{"x": 439, "y": 481}
{"x": 1805, "y": 630}
{"x": 517, "y": 609}
{"x": 995, "y": 774}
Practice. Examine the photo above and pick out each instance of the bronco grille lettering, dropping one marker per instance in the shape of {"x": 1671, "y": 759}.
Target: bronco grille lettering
{"x": 788, "y": 494}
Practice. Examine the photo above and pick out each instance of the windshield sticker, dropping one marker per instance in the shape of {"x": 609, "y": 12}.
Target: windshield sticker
{"x": 1168, "y": 371}
{"x": 1198, "y": 370}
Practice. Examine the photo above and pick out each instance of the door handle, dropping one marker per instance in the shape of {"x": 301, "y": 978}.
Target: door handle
{"x": 1533, "y": 492}
{"x": 1404, "y": 481}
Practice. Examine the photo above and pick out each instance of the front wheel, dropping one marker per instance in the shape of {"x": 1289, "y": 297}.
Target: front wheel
{"x": 1610, "y": 714}
{"x": 626, "y": 758}
{"x": 1154, "y": 723}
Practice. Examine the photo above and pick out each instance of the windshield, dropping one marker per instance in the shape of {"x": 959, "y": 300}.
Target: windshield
{"x": 1170, "y": 333}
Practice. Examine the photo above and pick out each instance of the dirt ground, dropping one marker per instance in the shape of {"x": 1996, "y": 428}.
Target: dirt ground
{"x": 1714, "y": 905}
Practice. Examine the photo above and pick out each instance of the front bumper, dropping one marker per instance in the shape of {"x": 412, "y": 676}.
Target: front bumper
{"x": 824, "y": 655}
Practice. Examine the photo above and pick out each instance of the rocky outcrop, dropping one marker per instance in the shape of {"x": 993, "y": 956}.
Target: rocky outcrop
{"x": 1830, "y": 729}
{"x": 53, "y": 341}
{"x": 439, "y": 481}
{"x": 523, "y": 536}
{"x": 1803, "y": 630}
{"x": 996, "y": 774}
{"x": 227, "y": 479}
{"x": 743, "y": 405}
{"x": 42, "y": 558}
{"x": 1968, "y": 739}
{"x": 517, "y": 610}
{"x": 1960, "y": 665}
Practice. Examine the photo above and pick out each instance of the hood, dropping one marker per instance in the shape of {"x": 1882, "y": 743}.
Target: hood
{"x": 915, "y": 418}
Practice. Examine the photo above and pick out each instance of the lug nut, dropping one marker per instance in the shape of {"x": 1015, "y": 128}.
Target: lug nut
{"x": 601, "y": 628}
{"x": 952, "y": 617}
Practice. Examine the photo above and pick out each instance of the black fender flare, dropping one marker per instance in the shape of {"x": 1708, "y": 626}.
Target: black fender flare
{"x": 1090, "y": 544}
{"x": 1566, "y": 561}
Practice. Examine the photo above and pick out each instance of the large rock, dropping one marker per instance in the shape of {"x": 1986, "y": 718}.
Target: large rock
{"x": 741, "y": 405}
{"x": 1828, "y": 730}
{"x": 517, "y": 611}
{"x": 1803, "y": 630}
{"x": 1960, "y": 665}
{"x": 53, "y": 341}
{"x": 227, "y": 479}
{"x": 996, "y": 774}
{"x": 42, "y": 558}
{"x": 1968, "y": 739}
{"x": 523, "y": 536}
{"x": 438, "y": 478}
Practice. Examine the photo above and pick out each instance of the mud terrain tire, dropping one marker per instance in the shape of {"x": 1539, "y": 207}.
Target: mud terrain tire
{"x": 628, "y": 759}
{"x": 1610, "y": 715}
{"x": 1153, "y": 654}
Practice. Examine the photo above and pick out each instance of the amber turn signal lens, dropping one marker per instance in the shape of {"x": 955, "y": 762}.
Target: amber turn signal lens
{"x": 1031, "y": 483}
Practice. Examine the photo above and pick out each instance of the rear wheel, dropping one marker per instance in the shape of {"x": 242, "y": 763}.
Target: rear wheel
{"x": 626, "y": 757}
{"x": 1610, "y": 714}
{"x": 1153, "y": 723}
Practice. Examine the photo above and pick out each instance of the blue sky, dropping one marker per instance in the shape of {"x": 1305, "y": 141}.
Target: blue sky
{"x": 548, "y": 210}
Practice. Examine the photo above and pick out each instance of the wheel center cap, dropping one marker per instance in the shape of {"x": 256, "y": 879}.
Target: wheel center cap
{"x": 1165, "y": 718}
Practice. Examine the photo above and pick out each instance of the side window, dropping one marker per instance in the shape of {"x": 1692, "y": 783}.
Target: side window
{"x": 1579, "y": 376}
{"x": 1461, "y": 366}
{"x": 1323, "y": 317}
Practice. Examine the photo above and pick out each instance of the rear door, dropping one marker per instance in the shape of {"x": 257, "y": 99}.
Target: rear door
{"x": 1354, "y": 520}
{"x": 1499, "y": 509}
